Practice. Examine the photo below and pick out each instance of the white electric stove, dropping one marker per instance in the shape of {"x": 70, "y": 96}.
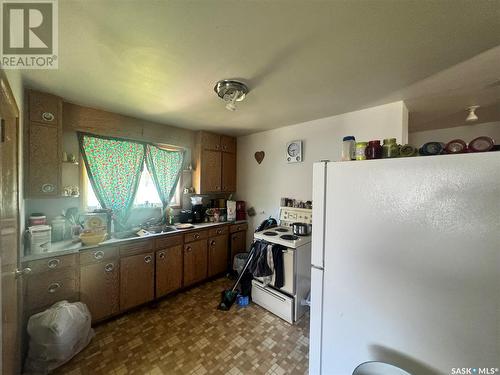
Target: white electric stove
{"x": 286, "y": 302}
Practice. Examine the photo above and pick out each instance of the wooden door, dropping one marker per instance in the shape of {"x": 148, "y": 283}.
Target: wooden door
{"x": 195, "y": 262}
{"x": 228, "y": 172}
{"x": 211, "y": 164}
{"x": 9, "y": 231}
{"x": 238, "y": 244}
{"x": 210, "y": 141}
{"x": 228, "y": 144}
{"x": 168, "y": 270}
{"x": 44, "y": 160}
{"x": 100, "y": 288}
{"x": 217, "y": 255}
{"x": 136, "y": 280}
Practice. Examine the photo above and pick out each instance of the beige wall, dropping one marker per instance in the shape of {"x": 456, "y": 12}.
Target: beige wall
{"x": 467, "y": 133}
{"x": 262, "y": 186}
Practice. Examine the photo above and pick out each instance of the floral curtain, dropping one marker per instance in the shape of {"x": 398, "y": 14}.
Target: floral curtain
{"x": 165, "y": 167}
{"x": 114, "y": 167}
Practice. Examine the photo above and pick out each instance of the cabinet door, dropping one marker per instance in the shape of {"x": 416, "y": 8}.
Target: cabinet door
{"x": 44, "y": 160}
{"x": 238, "y": 243}
{"x": 228, "y": 144}
{"x": 228, "y": 172}
{"x": 195, "y": 262}
{"x": 211, "y": 163}
{"x": 168, "y": 270}
{"x": 210, "y": 141}
{"x": 100, "y": 288}
{"x": 136, "y": 280}
{"x": 217, "y": 255}
{"x": 43, "y": 107}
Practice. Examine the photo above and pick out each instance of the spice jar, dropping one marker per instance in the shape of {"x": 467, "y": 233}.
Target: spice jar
{"x": 360, "y": 150}
{"x": 373, "y": 150}
{"x": 348, "y": 148}
{"x": 390, "y": 149}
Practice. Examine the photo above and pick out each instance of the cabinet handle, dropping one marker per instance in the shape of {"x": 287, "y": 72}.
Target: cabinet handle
{"x": 196, "y": 236}
{"x": 48, "y": 188}
{"x": 53, "y": 287}
{"x": 19, "y": 273}
{"x": 48, "y": 116}
{"x": 109, "y": 267}
{"x": 53, "y": 263}
{"x": 217, "y": 147}
{"x": 148, "y": 259}
{"x": 161, "y": 255}
{"x": 238, "y": 227}
{"x": 212, "y": 243}
{"x": 188, "y": 249}
{"x": 99, "y": 254}
{"x": 219, "y": 231}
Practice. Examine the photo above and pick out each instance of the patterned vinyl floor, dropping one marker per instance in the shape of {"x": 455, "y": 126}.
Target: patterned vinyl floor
{"x": 186, "y": 334}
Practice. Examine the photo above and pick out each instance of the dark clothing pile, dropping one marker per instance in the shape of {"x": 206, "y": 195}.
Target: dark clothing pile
{"x": 268, "y": 261}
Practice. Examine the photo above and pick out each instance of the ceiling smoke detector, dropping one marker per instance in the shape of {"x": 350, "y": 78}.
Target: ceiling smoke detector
{"x": 472, "y": 113}
{"x": 231, "y": 92}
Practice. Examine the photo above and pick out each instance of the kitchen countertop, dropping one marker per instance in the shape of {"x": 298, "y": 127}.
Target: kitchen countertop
{"x": 69, "y": 247}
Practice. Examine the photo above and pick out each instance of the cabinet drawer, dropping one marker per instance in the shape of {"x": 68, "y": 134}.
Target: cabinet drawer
{"x": 98, "y": 254}
{"x": 168, "y": 241}
{"x": 44, "y": 107}
{"x": 194, "y": 236}
{"x": 45, "y": 289}
{"x": 52, "y": 264}
{"x": 223, "y": 229}
{"x": 238, "y": 227}
{"x": 137, "y": 247}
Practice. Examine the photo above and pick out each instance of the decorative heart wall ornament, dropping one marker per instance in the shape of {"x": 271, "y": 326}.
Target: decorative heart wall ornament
{"x": 259, "y": 156}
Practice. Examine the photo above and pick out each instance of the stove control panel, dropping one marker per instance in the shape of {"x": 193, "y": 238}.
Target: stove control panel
{"x": 289, "y": 215}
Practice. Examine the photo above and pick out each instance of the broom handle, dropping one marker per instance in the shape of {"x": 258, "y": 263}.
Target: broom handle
{"x": 250, "y": 257}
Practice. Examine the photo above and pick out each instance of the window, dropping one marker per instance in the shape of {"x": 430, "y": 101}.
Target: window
{"x": 146, "y": 196}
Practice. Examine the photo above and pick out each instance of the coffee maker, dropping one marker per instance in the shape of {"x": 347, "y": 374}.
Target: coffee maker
{"x": 197, "y": 209}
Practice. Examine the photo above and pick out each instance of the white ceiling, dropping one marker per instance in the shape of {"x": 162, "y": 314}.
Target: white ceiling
{"x": 159, "y": 60}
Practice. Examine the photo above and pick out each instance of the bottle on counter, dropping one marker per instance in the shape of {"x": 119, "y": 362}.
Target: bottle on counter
{"x": 390, "y": 148}
{"x": 360, "y": 150}
{"x": 374, "y": 150}
{"x": 349, "y": 148}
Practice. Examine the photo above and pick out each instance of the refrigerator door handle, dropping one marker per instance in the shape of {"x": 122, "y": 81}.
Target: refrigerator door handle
{"x": 317, "y": 267}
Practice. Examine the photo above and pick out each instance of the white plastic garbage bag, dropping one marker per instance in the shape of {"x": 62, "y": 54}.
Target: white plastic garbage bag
{"x": 56, "y": 335}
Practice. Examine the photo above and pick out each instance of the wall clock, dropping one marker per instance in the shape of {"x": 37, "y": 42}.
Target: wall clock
{"x": 294, "y": 152}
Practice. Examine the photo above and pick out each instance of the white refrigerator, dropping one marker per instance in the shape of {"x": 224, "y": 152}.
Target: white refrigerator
{"x": 406, "y": 264}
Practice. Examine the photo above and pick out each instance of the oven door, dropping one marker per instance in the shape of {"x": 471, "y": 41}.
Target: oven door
{"x": 288, "y": 273}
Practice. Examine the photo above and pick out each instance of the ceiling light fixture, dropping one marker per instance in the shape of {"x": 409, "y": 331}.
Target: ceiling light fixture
{"x": 472, "y": 113}
{"x": 231, "y": 92}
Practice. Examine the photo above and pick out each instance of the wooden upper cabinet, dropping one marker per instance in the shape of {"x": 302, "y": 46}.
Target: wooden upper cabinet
{"x": 43, "y": 145}
{"x": 210, "y": 141}
{"x": 44, "y": 108}
{"x": 137, "y": 280}
{"x": 228, "y": 144}
{"x": 228, "y": 172}
{"x": 195, "y": 262}
{"x": 215, "y": 163}
{"x": 44, "y": 161}
{"x": 211, "y": 169}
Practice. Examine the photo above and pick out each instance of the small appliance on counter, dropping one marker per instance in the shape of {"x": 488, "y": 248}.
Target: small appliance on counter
{"x": 185, "y": 216}
{"x": 197, "y": 209}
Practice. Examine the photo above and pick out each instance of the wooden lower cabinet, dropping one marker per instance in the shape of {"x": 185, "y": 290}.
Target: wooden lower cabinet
{"x": 238, "y": 244}
{"x": 100, "y": 288}
{"x": 137, "y": 280}
{"x": 217, "y": 255}
{"x": 168, "y": 270}
{"x": 195, "y": 262}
